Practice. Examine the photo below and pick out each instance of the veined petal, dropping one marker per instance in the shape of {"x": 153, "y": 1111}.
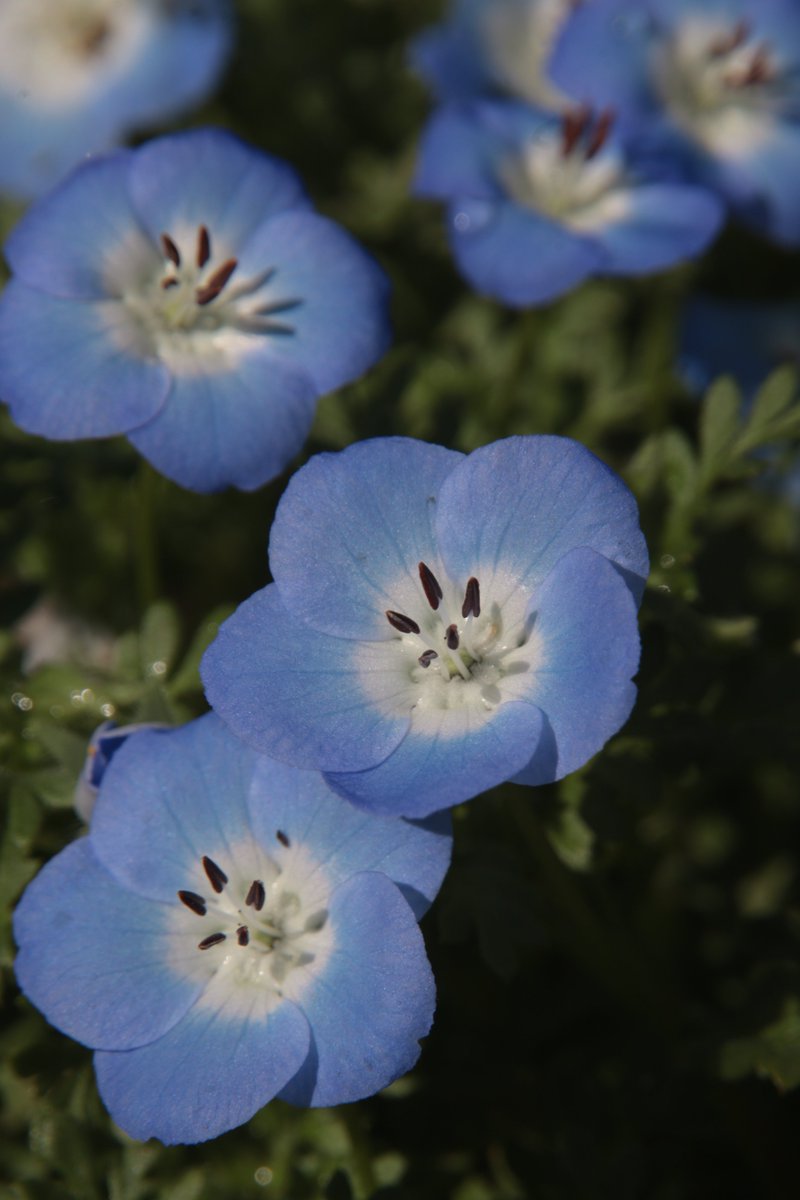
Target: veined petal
{"x": 584, "y": 619}
{"x": 516, "y": 255}
{"x": 341, "y": 841}
{"x": 74, "y": 369}
{"x": 351, "y": 529}
{"x": 448, "y": 757}
{"x": 237, "y": 418}
{"x": 207, "y": 1075}
{"x": 102, "y": 964}
{"x": 83, "y": 240}
{"x": 298, "y": 694}
{"x": 656, "y": 226}
{"x": 530, "y": 501}
{"x": 373, "y": 1002}
{"x": 183, "y": 791}
{"x": 209, "y": 177}
{"x": 336, "y": 297}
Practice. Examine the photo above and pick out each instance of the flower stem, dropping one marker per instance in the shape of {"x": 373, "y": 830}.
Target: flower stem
{"x": 144, "y": 503}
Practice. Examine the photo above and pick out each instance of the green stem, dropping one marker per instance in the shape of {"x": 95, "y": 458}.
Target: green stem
{"x": 361, "y": 1159}
{"x": 144, "y": 501}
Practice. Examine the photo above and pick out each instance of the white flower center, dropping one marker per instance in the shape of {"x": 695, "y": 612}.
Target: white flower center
{"x": 253, "y": 921}
{"x": 195, "y": 312}
{"x": 719, "y": 82}
{"x": 569, "y": 174}
{"x": 56, "y": 52}
{"x": 456, "y": 652}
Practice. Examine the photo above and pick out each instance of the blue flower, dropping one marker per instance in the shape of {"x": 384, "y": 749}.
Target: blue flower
{"x": 228, "y": 932}
{"x": 103, "y": 745}
{"x": 184, "y": 294}
{"x": 75, "y": 77}
{"x": 712, "y": 85}
{"x": 439, "y": 623}
{"x": 493, "y": 45}
{"x": 538, "y": 203}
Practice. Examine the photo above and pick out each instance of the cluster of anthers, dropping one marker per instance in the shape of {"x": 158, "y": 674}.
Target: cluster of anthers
{"x": 267, "y": 922}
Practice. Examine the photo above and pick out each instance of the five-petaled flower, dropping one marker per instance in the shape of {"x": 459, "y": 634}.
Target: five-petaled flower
{"x": 710, "y": 86}
{"x": 184, "y": 294}
{"x": 230, "y": 931}
{"x": 439, "y": 623}
{"x": 537, "y": 203}
{"x": 77, "y": 75}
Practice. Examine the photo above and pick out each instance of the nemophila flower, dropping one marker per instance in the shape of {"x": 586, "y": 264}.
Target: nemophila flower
{"x": 493, "y": 45}
{"x": 103, "y": 745}
{"x": 439, "y": 622}
{"x": 77, "y": 75}
{"x": 538, "y": 203}
{"x": 743, "y": 339}
{"x": 713, "y": 85}
{"x": 231, "y": 931}
{"x": 185, "y": 294}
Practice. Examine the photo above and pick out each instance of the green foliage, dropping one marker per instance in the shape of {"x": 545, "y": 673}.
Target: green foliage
{"x": 595, "y": 945}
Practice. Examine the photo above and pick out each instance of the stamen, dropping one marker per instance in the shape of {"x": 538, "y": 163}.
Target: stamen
{"x": 210, "y": 291}
{"x": 171, "y": 251}
{"x": 451, "y": 637}
{"x": 169, "y": 282}
{"x": 196, "y": 903}
{"x": 216, "y": 876}
{"x": 600, "y": 133}
{"x": 213, "y": 939}
{"x": 573, "y": 126}
{"x": 472, "y": 599}
{"x": 427, "y": 658}
{"x": 400, "y": 623}
{"x": 243, "y": 935}
{"x": 256, "y": 896}
{"x": 430, "y": 586}
{"x": 203, "y": 246}
{"x": 729, "y": 42}
{"x": 283, "y": 839}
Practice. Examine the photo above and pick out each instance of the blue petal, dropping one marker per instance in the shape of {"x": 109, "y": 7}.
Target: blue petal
{"x": 602, "y": 56}
{"x": 38, "y": 146}
{"x": 239, "y": 424}
{"x": 662, "y": 225}
{"x": 209, "y": 1074}
{"x": 169, "y": 797}
{"x": 514, "y": 255}
{"x": 435, "y": 767}
{"x": 449, "y": 59}
{"x": 295, "y": 693}
{"x": 74, "y": 241}
{"x": 71, "y": 368}
{"x": 209, "y": 177}
{"x": 584, "y": 620}
{"x": 764, "y": 185}
{"x": 531, "y": 500}
{"x": 350, "y": 526}
{"x": 93, "y": 957}
{"x": 337, "y": 297}
{"x": 342, "y": 840}
{"x": 373, "y": 1002}
{"x": 457, "y": 156}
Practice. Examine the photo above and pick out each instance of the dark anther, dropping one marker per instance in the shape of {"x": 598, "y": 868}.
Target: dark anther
{"x": 427, "y": 658}
{"x": 451, "y": 637}
{"x": 282, "y": 838}
{"x": 216, "y": 876}
{"x": 256, "y": 896}
{"x": 171, "y": 251}
{"x": 760, "y": 69}
{"x": 196, "y": 903}
{"x": 472, "y": 598}
{"x": 210, "y": 291}
{"x": 400, "y": 623}
{"x": 213, "y": 939}
{"x": 573, "y": 125}
{"x": 600, "y": 132}
{"x": 203, "y": 246}
{"x": 243, "y": 935}
{"x": 728, "y": 42}
{"x": 430, "y": 585}
{"x": 169, "y": 282}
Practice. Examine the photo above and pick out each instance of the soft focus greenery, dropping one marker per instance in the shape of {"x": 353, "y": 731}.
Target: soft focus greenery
{"x": 617, "y": 956}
